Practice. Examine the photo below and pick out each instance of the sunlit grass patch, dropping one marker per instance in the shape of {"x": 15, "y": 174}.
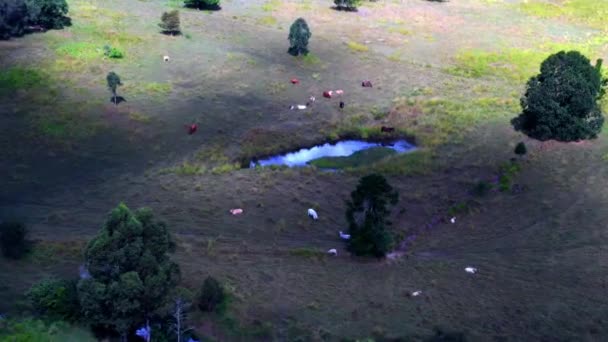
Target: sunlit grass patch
{"x": 139, "y": 117}
{"x": 354, "y": 46}
{"x": 21, "y": 78}
{"x": 414, "y": 163}
{"x": 158, "y": 88}
{"x": 271, "y": 5}
{"x": 592, "y": 13}
{"x": 83, "y": 50}
{"x": 400, "y": 30}
{"x": 267, "y": 21}
{"x": 185, "y": 169}
{"x": 310, "y": 59}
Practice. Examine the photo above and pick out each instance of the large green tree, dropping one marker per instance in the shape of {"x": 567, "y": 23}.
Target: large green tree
{"x": 13, "y": 18}
{"x": 561, "y": 102}
{"x": 367, "y": 214}
{"x": 130, "y": 270}
{"x": 299, "y": 34}
{"x": 50, "y": 14}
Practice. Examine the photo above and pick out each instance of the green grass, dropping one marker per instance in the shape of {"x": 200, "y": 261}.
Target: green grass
{"x": 310, "y": 59}
{"x": 354, "y": 46}
{"x": 155, "y": 88}
{"x": 80, "y": 50}
{"x": 307, "y": 253}
{"x": 418, "y": 162}
{"x": 591, "y": 13}
{"x": 359, "y": 158}
{"x": 267, "y": 21}
{"x": 271, "y": 5}
{"x": 65, "y": 125}
{"x": 185, "y": 169}
{"x": 16, "y": 78}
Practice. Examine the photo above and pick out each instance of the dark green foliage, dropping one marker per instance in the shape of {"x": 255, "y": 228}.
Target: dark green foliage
{"x": 55, "y": 298}
{"x": 508, "y": 171}
{"x": 299, "y": 34}
{"x": 481, "y": 188}
{"x": 112, "y": 52}
{"x": 170, "y": 22}
{"x": 203, "y": 4}
{"x": 50, "y": 14}
{"x": 367, "y": 213}
{"x": 212, "y": 294}
{"x": 113, "y": 82}
{"x": 520, "y": 149}
{"x": 12, "y": 239}
{"x": 13, "y": 18}
{"x": 348, "y": 5}
{"x": 561, "y": 102}
{"x": 130, "y": 270}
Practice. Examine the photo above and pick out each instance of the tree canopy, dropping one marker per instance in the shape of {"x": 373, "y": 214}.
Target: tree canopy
{"x": 367, "y": 214}
{"x": 17, "y": 16}
{"x": 299, "y": 34}
{"x": 203, "y": 4}
{"x": 170, "y": 22}
{"x": 130, "y": 270}
{"x": 561, "y": 102}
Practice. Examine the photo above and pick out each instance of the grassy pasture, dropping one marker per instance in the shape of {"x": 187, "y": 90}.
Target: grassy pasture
{"x": 71, "y": 155}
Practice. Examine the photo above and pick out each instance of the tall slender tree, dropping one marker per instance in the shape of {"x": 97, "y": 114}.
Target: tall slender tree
{"x": 113, "y": 82}
{"x": 299, "y": 34}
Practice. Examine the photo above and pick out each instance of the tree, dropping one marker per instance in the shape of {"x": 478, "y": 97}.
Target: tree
{"x": 170, "y": 22}
{"x": 367, "y": 213}
{"x": 299, "y": 34}
{"x": 520, "y": 149}
{"x": 55, "y": 298}
{"x": 12, "y": 239}
{"x": 203, "y": 4}
{"x": 13, "y": 17}
{"x": 349, "y": 5}
{"x": 113, "y": 82}
{"x": 50, "y": 14}
{"x": 211, "y": 295}
{"x": 561, "y": 102}
{"x": 130, "y": 270}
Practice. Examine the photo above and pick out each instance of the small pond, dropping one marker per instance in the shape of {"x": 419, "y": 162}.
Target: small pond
{"x": 340, "y": 151}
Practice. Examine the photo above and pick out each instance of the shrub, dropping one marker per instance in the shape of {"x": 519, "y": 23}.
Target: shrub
{"x": 520, "y": 149}
{"x": 212, "y": 294}
{"x": 299, "y": 34}
{"x": 13, "y": 16}
{"x": 55, "y": 298}
{"x": 112, "y": 52}
{"x": 561, "y": 102}
{"x": 367, "y": 213}
{"x": 170, "y": 22}
{"x": 507, "y": 172}
{"x": 481, "y": 188}
{"x": 203, "y": 4}
{"x": 50, "y": 14}
{"x": 12, "y": 239}
{"x": 349, "y": 5}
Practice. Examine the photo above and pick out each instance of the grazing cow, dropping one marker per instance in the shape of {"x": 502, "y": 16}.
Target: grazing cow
{"x": 166, "y": 58}
{"x": 339, "y": 92}
{"x": 344, "y": 236}
{"x": 332, "y": 252}
{"x": 385, "y": 129}
{"x": 341, "y": 104}
{"x": 366, "y": 84}
{"x": 471, "y": 270}
{"x": 313, "y": 214}
{"x": 236, "y": 211}
{"x": 311, "y": 99}
{"x": 295, "y": 81}
{"x": 192, "y": 128}
{"x": 453, "y": 220}
{"x": 416, "y": 293}
{"x": 328, "y": 94}
{"x": 297, "y": 107}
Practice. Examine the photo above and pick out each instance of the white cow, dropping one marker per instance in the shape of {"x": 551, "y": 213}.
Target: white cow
{"x": 297, "y": 107}
{"x": 344, "y": 236}
{"x": 332, "y": 252}
{"x": 453, "y": 220}
{"x": 416, "y": 293}
{"x": 313, "y": 214}
{"x": 166, "y": 58}
{"x": 470, "y": 269}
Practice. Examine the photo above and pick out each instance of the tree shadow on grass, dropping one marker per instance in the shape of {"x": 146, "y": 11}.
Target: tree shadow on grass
{"x": 344, "y": 9}
{"x": 119, "y": 99}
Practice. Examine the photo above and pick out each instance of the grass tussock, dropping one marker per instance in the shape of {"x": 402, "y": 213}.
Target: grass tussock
{"x": 185, "y": 169}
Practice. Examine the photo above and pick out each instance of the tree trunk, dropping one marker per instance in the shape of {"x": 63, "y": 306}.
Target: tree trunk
{"x": 115, "y": 99}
